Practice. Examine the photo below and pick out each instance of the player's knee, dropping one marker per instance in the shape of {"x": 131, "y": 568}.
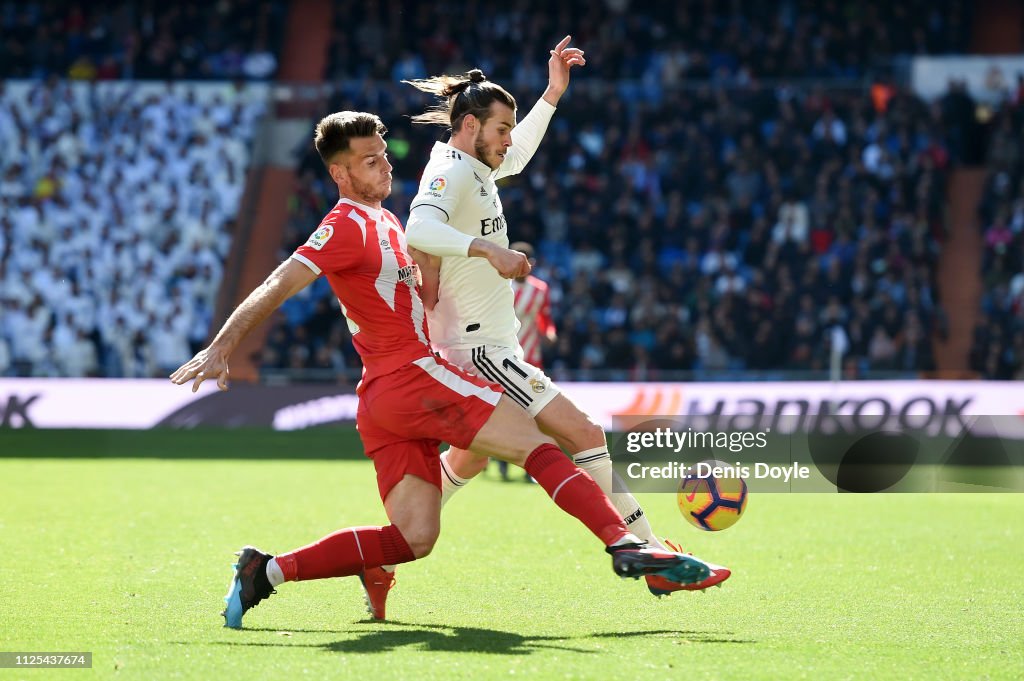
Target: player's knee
{"x": 519, "y": 451}
{"x": 422, "y": 544}
{"x": 594, "y": 433}
{"x": 586, "y": 435}
{"x": 421, "y": 540}
{"x": 422, "y": 549}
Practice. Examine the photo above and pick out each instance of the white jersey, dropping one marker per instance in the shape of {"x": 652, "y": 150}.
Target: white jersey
{"x": 475, "y": 305}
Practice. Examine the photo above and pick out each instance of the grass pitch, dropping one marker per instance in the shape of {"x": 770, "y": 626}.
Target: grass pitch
{"x": 130, "y": 559}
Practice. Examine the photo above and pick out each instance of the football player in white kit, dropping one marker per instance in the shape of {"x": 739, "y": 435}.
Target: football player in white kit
{"x": 458, "y": 235}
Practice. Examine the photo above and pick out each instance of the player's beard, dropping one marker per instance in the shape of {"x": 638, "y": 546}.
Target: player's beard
{"x": 490, "y": 158}
{"x": 370, "y": 193}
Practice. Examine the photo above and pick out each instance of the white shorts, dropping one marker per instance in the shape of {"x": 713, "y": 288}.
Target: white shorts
{"x": 525, "y": 384}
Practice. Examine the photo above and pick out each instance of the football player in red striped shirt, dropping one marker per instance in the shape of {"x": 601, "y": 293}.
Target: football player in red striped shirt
{"x": 533, "y": 309}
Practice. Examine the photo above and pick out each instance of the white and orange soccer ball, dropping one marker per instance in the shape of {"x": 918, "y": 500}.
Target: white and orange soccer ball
{"x": 712, "y": 503}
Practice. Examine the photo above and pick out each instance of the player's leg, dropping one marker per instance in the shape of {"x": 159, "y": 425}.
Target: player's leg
{"x": 511, "y": 435}
{"x": 346, "y": 552}
{"x": 414, "y": 506}
{"x": 349, "y": 551}
{"x": 409, "y": 483}
{"x": 556, "y": 415}
{"x": 585, "y": 441}
{"x": 492, "y": 364}
{"x": 573, "y": 430}
{"x": 408, "y": 478}
{"x": 438, "y": 400}
{"x": 474, "y": 416}
{"x": 510, "y": 432}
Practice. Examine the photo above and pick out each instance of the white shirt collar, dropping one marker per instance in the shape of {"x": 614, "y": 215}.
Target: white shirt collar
{"x": 375, "y": 212}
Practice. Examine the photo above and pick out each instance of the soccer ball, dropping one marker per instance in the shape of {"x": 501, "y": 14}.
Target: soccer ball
{"x": 711, "y": 503}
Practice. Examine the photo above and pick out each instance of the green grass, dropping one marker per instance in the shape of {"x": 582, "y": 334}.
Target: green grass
{"x": 130, "y": 558}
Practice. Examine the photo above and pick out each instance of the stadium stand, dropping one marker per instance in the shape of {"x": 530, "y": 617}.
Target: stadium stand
{"x": 116, "y": 209}
{"x": 998, "y": 349}
{"x": 723, "y": 192}
{"x": 654, "y": 42}
{"x": 742, "y": 226}
{"x": 118, "y": 200}
{"x": 703, "y": 203}
{"x": 149, "y": 40}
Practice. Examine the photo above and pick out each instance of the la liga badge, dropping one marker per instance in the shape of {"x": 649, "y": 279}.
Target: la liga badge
{"x": 320, "y": 237}
{"x": 437, "y": 186}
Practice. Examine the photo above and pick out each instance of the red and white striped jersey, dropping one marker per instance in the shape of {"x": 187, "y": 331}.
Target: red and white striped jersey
{"x": 362, "y": 252}
{"x": 533, "y": 308}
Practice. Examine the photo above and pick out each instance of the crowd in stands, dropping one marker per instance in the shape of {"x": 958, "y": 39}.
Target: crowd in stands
{"x": 116, "y": 211}
{"x": 720, "y": 191}
{"x": 709, "y": 230}
{"x": 998, "y": 350}
{"x": 730, "y": 225}
{"x": 115, "y": 39}
{"x": 657, "y": 43}
{"x": 740, "y": 224}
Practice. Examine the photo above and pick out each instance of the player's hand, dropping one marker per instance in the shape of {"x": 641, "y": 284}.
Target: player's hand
{"x": 209, "y": 363}
{"x": 563, "y": 58}
{"x": 510, "y": 264}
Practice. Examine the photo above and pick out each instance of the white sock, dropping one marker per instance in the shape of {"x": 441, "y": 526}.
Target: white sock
{"x": 598, "y": 463}
{"x": 450, "y": 482}
{"x": 628, "y": 538}
{"x": 274, "y": 574}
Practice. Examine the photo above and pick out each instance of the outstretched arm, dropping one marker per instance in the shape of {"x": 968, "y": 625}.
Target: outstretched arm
{"x": 288, "y": 279}
{"x": 526, "y": 136}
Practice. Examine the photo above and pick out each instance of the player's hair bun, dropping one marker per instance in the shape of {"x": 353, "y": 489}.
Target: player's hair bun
{"x": 457, "y": 87}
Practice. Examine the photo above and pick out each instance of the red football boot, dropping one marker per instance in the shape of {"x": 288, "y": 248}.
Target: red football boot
{"x": 660, "y": 586}
{"x": 376, "y": 584}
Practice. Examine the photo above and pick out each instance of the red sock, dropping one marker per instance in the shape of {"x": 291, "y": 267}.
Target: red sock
{"x": 346, "y": 552}
{"x": 575, "y": 492}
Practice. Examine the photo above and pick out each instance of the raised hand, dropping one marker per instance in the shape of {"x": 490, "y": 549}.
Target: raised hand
{"x": 563, "y": 58}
